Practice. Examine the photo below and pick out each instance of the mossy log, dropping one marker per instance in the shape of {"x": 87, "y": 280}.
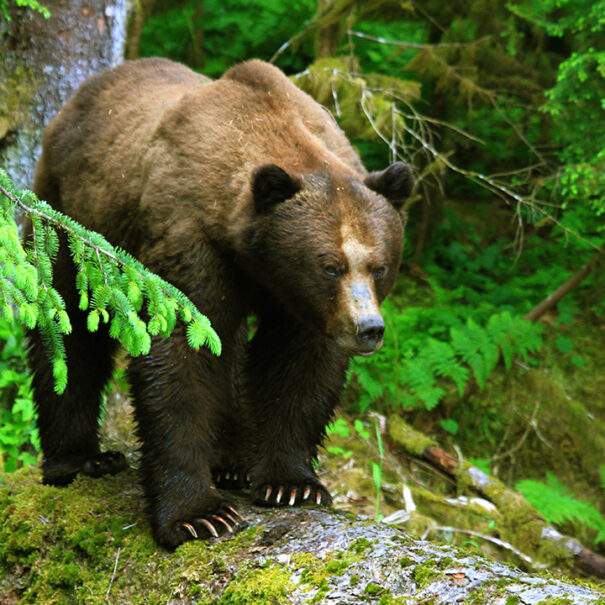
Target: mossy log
{"x": 90, "y": 543}
{"x": 517, "y": 518}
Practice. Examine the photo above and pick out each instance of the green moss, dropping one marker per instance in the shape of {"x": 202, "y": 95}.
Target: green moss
{"x": 445, "y": 562}
{"x": 336, "y": 567}
{"x": 512, "y": 600}
{"x": 360, "y": 545}
{"x": 259, "y": 587}
{"x": 373, "y": 589}
{"x": 410, "y": 440}
{"x": 17, "y": 89}
{"x": 405, "y": 561}
{"x": 354, "y": 581}
{"x": 61, "y": 545}
{"x": 425, "y": 573}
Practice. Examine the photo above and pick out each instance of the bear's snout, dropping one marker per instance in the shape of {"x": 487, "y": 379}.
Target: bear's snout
{"x": 370, "y": 331}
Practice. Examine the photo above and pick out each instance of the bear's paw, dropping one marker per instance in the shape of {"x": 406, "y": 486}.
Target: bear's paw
{"x": 288, "y": 493}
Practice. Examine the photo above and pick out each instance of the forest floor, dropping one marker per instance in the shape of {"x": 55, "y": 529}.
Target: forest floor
{"x": 545, "y": 418}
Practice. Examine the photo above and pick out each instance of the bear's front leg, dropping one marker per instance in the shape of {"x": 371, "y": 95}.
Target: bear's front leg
{"x": 294, "y": 382}
{"x": 179, "y": 395}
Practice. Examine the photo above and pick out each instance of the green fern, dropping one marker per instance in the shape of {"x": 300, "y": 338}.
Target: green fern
{"x": 440, "y": 347}
{"x": 113, "y": 286}
{"x": 558, "y": 506}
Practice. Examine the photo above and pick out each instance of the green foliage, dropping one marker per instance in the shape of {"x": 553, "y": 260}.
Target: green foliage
{"x": 19, "y": 442}
{"x": 558, "y": 506}
{"x": 31, "y": 4}
{"x": 226, "y": 32}
{"x": 113, "y": 286}
{"x": 577, "y": 101}
{"x": 438, "y": 348}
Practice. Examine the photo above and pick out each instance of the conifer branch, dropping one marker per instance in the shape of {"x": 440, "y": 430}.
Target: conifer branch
{"x": 112, "y": 285}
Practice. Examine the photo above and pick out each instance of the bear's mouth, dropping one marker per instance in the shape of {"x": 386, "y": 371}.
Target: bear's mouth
{"x": 367, "y": 353}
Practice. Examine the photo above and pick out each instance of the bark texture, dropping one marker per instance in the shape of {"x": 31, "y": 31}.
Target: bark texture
{"x": 42, "y": 62}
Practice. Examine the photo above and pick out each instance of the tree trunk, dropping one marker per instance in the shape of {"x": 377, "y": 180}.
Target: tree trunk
{"x": 42, "y": 62}
{"x": 328, "y": 35}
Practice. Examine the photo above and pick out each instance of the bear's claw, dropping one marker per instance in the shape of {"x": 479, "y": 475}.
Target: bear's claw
{"x": 190, "y": 529}
{"x": 234, "y": 512}
{"x": 230, "y": 478}
{"x": 221, "y": 520}
{"x": 291, "y": 495}
{"x": 227, "y": 519}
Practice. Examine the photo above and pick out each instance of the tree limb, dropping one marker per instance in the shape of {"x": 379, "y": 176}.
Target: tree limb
{"x": 565, "y": 288}
{"x": 534, "y": 526}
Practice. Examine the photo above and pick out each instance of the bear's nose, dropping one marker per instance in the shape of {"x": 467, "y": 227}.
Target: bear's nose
{"x": 370, "y": 331}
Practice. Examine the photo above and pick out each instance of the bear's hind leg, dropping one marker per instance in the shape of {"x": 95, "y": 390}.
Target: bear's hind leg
{"x": 233, "y": 459}
{"x": 68, "y": 423}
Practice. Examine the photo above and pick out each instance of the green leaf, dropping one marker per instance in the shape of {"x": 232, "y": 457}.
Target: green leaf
{"x": 449, "y": 425}
{"x": 60, "y": 375}
{"x": 564, "y": 344}
{"x": 377, "y": 476}
{"x": 92, "y": 322}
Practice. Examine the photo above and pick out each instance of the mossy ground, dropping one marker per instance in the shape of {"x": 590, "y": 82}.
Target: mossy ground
{"x": 86, "y": 542}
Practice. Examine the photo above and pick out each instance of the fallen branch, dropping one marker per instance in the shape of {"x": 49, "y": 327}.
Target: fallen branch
{"x": 533, "y": 526}
{"x": 565, "y": 288}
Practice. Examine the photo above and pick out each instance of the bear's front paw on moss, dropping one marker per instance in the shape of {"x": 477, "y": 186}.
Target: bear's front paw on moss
{"x": 291, "y": 493}
{"x": 62, "y": 471}
{"x": 224, "y": 520}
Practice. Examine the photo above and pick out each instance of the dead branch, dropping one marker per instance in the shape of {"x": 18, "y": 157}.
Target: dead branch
{"x": 416, "y": 444}
{"x": 565, "y": 288}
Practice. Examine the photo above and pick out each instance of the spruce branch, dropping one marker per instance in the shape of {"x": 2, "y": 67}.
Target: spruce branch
{"x": 113, "y": 285}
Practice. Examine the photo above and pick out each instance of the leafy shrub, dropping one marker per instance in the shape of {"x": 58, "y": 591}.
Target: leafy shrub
{"x": 19, "y": 440}
{"x": 433, "y": 349}
{"x": 232, "y": 31}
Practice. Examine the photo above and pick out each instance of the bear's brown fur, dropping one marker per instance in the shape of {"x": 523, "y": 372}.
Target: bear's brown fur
{"x": 245, "y": 194}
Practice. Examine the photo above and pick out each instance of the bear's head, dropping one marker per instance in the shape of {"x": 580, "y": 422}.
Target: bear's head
{"x": 329, "y": 246}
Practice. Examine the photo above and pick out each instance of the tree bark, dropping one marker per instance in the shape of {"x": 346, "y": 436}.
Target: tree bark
{"x": 42, "y": 62}
{"x": 328, "y": 35}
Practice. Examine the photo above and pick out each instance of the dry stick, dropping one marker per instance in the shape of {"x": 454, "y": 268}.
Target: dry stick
{"x": 113, "y": 575}
{"x": 552, "y": 299}
{"x": 493, "y": 489}
{"x": 496, "y": 541}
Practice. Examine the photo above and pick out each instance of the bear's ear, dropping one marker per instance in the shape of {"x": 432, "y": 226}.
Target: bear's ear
{"x": 395, "y": 183}
{"x": 271, "y": 186}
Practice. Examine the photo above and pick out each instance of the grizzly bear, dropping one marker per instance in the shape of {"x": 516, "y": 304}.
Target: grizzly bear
{"x": 245, "y": 194}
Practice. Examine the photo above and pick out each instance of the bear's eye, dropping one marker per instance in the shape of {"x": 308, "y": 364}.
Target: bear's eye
{"x": 331, "y": 271}
{"x": 379, "y": 272}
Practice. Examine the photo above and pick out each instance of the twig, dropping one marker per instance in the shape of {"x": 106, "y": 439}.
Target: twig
{"x": 492, "y": 539}
{"x": 113, "y": 575}
{"x": 382, "y": 40}
{"x": 565, "y": 288}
